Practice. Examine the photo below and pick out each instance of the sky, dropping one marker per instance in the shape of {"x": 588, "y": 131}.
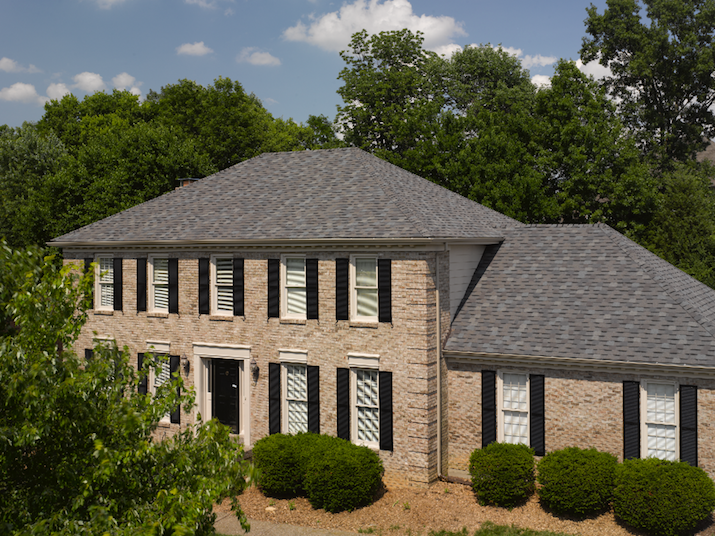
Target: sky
{"x": 286, "y": 52}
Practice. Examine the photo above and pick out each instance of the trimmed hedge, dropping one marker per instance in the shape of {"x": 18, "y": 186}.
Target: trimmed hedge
{"x": 661, "y": 497}
{"x": 502, "y": 473}
{"x": 343, "y": 478}
{"x": 577, "y": 482}
{"x": 333, "y": 473}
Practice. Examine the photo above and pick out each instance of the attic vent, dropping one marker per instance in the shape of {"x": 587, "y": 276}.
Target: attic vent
{"x": 186, "y": 182}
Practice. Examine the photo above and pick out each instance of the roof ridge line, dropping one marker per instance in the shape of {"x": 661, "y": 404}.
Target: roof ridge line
{"x": 682, "y": 302}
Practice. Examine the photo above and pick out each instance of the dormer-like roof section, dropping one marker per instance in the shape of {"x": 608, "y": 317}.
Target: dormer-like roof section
{"x": 305, "y": 195}
{"x": 584, "y": 292}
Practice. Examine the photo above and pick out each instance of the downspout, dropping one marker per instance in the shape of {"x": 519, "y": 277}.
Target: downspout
{"x": 439, "y": 367}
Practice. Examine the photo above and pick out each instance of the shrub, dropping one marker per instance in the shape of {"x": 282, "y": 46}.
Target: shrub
{"x": 502, "y": 474}
{"x": 662, "y": 497}
{"x": 278, "y": 462}
{"x": 344, "y": 477}
{"x": 577, "y": 482}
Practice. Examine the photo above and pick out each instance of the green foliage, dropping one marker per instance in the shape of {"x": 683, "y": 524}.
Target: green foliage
{"x": 577, "y": 482}
{"x": 77, "y": 454}
{"x": 278, "y": 462}
{"x": 662, "y": 58}
{"x": 490, "y": 529}
{"x": 344, "y": 477}
{"x": 662, "y": 497}
{"x": 502, "y": 473}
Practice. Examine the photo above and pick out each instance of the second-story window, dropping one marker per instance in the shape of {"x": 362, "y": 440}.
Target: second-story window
{"x": 105, "y": 283}
{"x": 160, "y": 284}
{"x": 223, "y": 285}
{"x": 365, "y": 297}
{"x": 294, "y": 301}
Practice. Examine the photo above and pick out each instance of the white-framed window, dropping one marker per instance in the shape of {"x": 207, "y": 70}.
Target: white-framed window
{"x": 365, "y": 403}
{"x": 104, "y": 283}
{"x": 363, "y": 288}
{"x": 660, "y": 420}
{"x": 156, "y": 378}
{"x": 293, "y": 296}
{"x": 513, "y": 407}
{"x": 222, "y": 283}
{"x": 158, "y": 277}
{"x": 294, "y": 391}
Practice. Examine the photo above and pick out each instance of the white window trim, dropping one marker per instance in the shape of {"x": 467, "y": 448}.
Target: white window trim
{"x": 362, "y": 362}
{"x": 500, "y": 403}
{"x": 353, "y": 289}
{"x": 284, "y": 288}
{"x": 203, "y": 354}
{"x": 150, "y": 285}
{"x": 213, "y": 285}
{"x": 98, "y": 286}
{"x": 290, "y": 357}
{"x": 644, "y": 414}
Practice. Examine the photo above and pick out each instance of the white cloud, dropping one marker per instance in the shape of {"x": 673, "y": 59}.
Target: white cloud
{"x": 57, "y": 91}
{"x": 11, "y": 66}
{"x": 20, "y": 92}
{"x": 527, "y": 62}
{"x": 593, "y": 68}
{"x": 447, "y": 50}
{"x": 195, "y": 49}
{"x": 108, "y": 4}
{"x": 269, "y": 100}
{"x": 541, "y": 81}
{"x": 332, "y": 31}
{"x": 253, "y": 56}
{"x": 209, "y": 4}
{"x": 89, "y": 82}
{"x": 124, "y": 80}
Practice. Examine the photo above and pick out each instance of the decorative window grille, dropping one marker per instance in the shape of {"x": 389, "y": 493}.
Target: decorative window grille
{"x": 367, "y": 405}
{"x": 297, "y": 398}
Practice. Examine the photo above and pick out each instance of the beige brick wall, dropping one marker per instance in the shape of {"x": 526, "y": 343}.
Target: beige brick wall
{"x": 407, "y": 347}
{"x": 582, "y": 408}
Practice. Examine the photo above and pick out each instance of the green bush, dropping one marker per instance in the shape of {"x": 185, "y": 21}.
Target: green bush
{"x": 344, "y": 477}
{"x": 278, "y": 462}
{"x": 577, "y": 482}
{"x": 662, "y": 497}
{"x": 502, "y": 474}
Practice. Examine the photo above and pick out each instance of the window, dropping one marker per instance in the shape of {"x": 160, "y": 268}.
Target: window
{"x": 296, "y": 398}
{"x": 294, "y": 304}
{"x": 364, "y": 396}
{"x": 169, "y": 365}
{"x": 159, "y": 284}
{"x": 660, "y": 420}
{"x": 222, "y": 297}
{"x": 513, "y": 423}
{"x": 364, "y": 291}
{"x": 104, "y": 287}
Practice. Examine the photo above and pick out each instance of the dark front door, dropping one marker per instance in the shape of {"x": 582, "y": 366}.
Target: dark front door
{"x": 224, "y": 396}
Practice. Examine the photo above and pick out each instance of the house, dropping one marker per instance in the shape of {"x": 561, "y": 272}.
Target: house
{"x": 334, "y": 292}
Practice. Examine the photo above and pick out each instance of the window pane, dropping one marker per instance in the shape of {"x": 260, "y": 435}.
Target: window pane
{"x": 224, "y": 298}
{"x": 161, "y": 271}
{"x": 295, "y": 272}
{"x": 367, "y": 388}
{"x": 107, "y": 298}
{"x": 224, "y": 272}
{"x": 514, "y": 391}
{"x": 297, "y": 397}
{"x": 368, "y": 425}
{"x": 367, "y": 302}
{"x": 366, "y": 272}
{"x": 661, "y": 403}
{"x": 515, "y": 426}
{"x": 661, "y": 441}
{"x": 161, "y": 297}
{"x": 296, "y": 301}
{"x": 160, "y": 378}
{"x": 106, "y": 270}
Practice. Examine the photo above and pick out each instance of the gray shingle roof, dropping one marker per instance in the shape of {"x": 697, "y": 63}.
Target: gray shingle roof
{"x": 584, "y": 291}
{"x": 334, "y": 193}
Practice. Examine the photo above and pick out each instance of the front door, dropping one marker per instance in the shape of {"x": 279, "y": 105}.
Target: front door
{"x": 224, "y": 395}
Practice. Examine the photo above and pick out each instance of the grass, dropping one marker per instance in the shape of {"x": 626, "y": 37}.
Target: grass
{"x": 490, "y": 529}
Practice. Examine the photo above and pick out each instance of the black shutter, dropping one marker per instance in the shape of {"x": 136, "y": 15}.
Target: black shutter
{"x": 314, "y": 399}
{"x": 204, "y": 304}
{"x": 536, "y": 407}
{"x": 143, "y": 382}
{"x": 385, "y": 388}
{"x": 87, "y": 268}
{"x": 311, "y": 288}
{"x": 489, "y": 407}
{"x": 384, "y": 290}
{"x": 174, "y": 362}
{"x": 117, "y": 284}
{"x": 343, "y": 392}
{"x": 274, "y": 398}
{"x": 342, "y": 288}
{"x": 274, "y": 288}
{"x": 88, "y": 354}
{"x": 631, "y": 420}
{"x": 238, "y": 287}
{"x": 689, "y": 424}
{"x": 141, "y": 284}
{"x": 174, "y": 286}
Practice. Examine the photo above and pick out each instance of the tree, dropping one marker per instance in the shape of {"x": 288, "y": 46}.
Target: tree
{"x": 662, "y": 62}
{"x": 76, "y": 449}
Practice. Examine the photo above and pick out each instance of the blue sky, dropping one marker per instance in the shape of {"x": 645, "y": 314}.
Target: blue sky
{"x": 284, "y": 51}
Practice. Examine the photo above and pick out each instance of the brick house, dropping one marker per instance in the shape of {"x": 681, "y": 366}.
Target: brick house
{"x": 331, "y": 291}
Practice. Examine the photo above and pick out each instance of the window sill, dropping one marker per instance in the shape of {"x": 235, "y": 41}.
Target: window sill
{"x": 157, "y": 314}
{"x": 364, "y": 324}
{"x": 221, "y": 318}
{"x": 103, "y": 312}
{"x": 298, "y": 321}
